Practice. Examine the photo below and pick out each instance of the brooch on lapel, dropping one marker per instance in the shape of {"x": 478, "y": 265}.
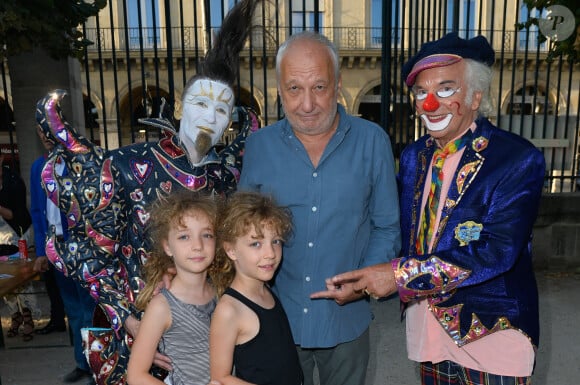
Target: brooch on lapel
{"x": 467, "y": 231}
{"x": 464, "y": 173}
{"x": 479, "y": 144}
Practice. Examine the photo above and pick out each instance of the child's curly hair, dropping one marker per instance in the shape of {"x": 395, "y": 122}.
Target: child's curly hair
{"x": 165, "y": 214}
{"x": 242, "y": 212}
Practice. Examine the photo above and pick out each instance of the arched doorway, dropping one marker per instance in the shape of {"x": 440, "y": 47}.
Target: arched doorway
{"x": 141, "y": 102}
{"x": 531, "y": 99}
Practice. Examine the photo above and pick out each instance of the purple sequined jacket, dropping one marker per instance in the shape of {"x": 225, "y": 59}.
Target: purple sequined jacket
{"x": 479, "y": 277}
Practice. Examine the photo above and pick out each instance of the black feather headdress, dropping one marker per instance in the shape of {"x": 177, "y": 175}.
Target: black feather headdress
{"x": 222, "y": 59}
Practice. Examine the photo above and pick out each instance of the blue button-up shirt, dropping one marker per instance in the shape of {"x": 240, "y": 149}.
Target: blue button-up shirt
{"x": 345, "y": 214}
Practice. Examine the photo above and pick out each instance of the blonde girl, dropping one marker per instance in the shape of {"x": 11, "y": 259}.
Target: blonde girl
{"x": 249, "y": 330}
{"x": 177, "y": 320}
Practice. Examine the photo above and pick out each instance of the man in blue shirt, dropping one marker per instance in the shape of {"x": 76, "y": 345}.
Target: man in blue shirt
{"x": 336, "y": 173}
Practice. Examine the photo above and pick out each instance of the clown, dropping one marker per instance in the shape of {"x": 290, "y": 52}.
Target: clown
{"x": 469, "y": 196}
{"x": 442, "y": 98}
{"x": 106, "y": 194}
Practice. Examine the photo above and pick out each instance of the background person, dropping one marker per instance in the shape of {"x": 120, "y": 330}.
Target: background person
{"x": 14, "y": 225}
{"x": 13, "y": 208}
{"x": 469, "y": 198}
{"x": 78, "y": 305}
{"x": 56, "y": 322}
{"x": 343, "y": 198}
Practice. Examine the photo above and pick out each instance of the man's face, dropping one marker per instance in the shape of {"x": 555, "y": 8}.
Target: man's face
{"x": 207, "y": 111}
{"x": 440, "y": 101}
{"x": 308, "y": 88}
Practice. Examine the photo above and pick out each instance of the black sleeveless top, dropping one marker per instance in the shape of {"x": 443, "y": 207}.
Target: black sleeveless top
{"x": 270, "y": 357}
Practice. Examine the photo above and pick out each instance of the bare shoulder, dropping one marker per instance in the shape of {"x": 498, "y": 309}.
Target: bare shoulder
{"x": 159, "y": 310}
{"x": 227, "y": 309}
{"x": 233, "y": 315}
{"x": 155, "y": 321}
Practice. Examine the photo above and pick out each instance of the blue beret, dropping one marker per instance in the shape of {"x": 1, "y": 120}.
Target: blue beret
{"x": 446, "y": 51}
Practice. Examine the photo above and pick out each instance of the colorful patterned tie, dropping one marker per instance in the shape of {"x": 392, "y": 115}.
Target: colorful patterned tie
{"x": 430, "y": 211}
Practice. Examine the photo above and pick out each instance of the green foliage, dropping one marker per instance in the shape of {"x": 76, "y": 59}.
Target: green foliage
{"x": 50, "y": 24}
{"x": 568, "y": 48}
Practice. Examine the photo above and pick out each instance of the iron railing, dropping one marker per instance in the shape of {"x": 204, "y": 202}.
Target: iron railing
{"x": 127, "y": 68}
{"x": 193, "y": 38}
{"x": 530, "y": 113}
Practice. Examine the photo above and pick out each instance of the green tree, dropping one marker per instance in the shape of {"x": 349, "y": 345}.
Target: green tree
{"x": 50, "y": 24}
{"x": 568, "y": 48}
{"x": 39, "y": 41}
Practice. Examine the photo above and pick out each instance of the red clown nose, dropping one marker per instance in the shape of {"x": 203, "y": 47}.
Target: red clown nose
{"x": 430, "y": 104}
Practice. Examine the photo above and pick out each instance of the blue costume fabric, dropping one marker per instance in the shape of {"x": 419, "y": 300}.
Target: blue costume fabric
{"x": 105, "y": 198}
{"x": 78, "y": 304}
{"x": 479, "y": 277}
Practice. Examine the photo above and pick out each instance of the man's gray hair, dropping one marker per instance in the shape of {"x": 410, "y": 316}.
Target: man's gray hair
{"x": 478, "y": 78}
{"x": 314, "y": 37}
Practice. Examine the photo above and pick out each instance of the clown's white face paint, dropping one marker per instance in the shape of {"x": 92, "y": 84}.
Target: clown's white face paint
{"x": 434, "y": 124}
{"x": 446, "y": 117}
{"x": 207, "y": 112}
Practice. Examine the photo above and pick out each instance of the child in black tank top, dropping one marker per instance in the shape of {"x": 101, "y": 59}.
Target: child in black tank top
{"x": 249, "y": 333}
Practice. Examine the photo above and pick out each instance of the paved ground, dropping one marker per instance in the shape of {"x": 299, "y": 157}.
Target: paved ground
{"x": 46, "y": 359}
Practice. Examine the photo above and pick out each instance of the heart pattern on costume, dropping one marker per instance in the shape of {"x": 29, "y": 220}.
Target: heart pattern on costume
{"x": 72, "y": 218}
{"x": 141, "y": 169}
{"x": 136, "y": 195}
{"x": 166, "y": 186}
{"x": 77, "y": 167}
{"x": 143, "y": 216}
{"x": 143, "y": 256}
{"x": 127, "y": 250}
{"x": 62, "y": 135}
{"x": 51, "y": 186}
{"x": 107, "y": 187}
{"x": 90, "y": 193}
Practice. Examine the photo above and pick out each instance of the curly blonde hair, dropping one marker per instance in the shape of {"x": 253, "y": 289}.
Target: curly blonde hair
{"x": 165, "y": 214}
{"x": 242, "y": 212}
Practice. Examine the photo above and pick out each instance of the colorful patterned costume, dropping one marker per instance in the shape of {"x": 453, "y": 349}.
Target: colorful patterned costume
{"x": 478, "y": 279}
{"x": 105, "y": 197}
